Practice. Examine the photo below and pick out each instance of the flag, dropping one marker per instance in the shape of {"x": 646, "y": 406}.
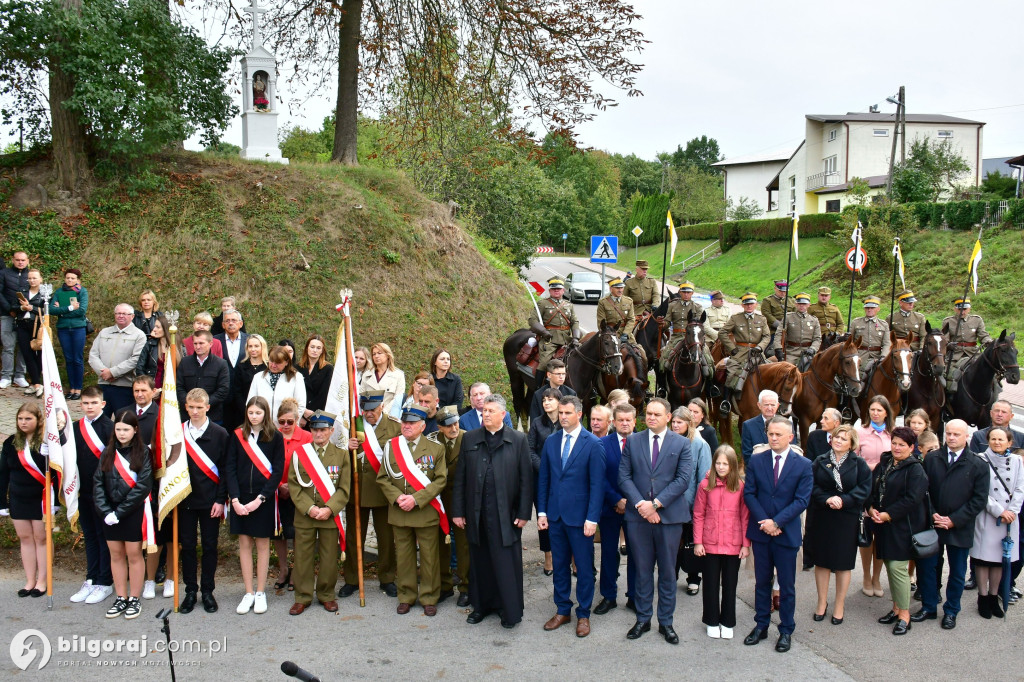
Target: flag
{"x": 898, "y": 253}
{"x": 796, "y": 238}
{"x": 972, "y": 267}
{"x": 538, "y": 287}
{"x": 63, "y": 457}
{"x": 673, "y": 240}
{"x": 174, "y": 484}
{"x": 342, "y": 395}
{"x": 856, "y": 234}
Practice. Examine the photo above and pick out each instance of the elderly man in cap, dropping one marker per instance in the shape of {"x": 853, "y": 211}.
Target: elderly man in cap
{"x": 908, "y": 324}
{"x": 678, "y": 312}
{"x": 378, "y": 429}
{"x": 449, "y": 436}
{"x": 642, "y": 290}
{"x": 873, "y": 334}
{"x": 829, "y": 317}
{"x": 557, "y": 325}
{"x": 412, "y": 475}
{"x": 773, "y": 305}
{"x": 965, "y": 337}
{"x": 616, "y": 311}
{"x": 319, "y": 480}
{"x": 718, "y": 315}
{"x": 801, "y": 337}
{"x": 745, "y": 333}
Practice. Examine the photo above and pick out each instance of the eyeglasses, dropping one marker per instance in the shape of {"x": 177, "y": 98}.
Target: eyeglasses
{"x": 286, "y": 422}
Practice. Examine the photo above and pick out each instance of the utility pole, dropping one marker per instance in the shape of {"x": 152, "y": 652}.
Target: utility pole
{"x": 903, "y": 127}
{"x": 895, "y": 132}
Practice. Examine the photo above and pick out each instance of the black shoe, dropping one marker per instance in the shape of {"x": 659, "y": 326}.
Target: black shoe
{"x": 922, "y": 616}
{"x": 549, "y": 572}
{"x": 913, "y": 587}
{"x": 445, "y": 594}
{"x": 837, "y": 621}
{"x": 948, "y": 621}
{"x": 622, "y": 550}
{"x": 755, "y": 636}
{"x": 209, "y": 603}
{"x": 24, "y": 592}
{"x": 508, "y": 625}
{"x": 670, "y": 635}
{"x": 389, "y": 589}
{"x": 889, "y": 618}
{"x": 34, "y": 592}
{"x": 188, "y": 603}
{"x": 984, "y": 606}
{"x": 161, "y": 574}
{"x": 917, "y": 594}
{"x": 818, "y": 617}
{"x": 638, "y": 629}
{"x": 605, "y": 606}
{"x": 902, "y": 627}
{"x": 630, "y": 605}
{"x": 996, "y": 605}
{"x": 348, "y": 590}
{"x": 784, "y": 643}
{"x": 463, "y": 600}
{"x": 970, "y": 584}
{"x": 475, "y": 617}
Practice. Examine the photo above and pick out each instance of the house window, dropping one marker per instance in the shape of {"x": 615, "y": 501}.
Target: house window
{"x": 946, "y": 133}
{"x": 832, "y": 135}
{"x": 792, "y": 193}
{"x": 832, "y": 206}
{"x": 881, "y": 132}
{"x": 831, "y": 163}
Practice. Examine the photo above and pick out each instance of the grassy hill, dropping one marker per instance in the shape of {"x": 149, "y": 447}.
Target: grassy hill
{"x": 195, "y": 228}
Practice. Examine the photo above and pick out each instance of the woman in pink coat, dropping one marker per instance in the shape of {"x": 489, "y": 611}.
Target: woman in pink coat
{"x": 719, "y": 535}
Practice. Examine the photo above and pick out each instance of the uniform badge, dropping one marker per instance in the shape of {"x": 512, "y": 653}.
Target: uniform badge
{"x": 333, "y": 472}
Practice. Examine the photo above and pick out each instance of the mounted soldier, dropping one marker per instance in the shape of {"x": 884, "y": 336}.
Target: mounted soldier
{"x": 829, "y": 317}
{"x": 774, "y": 306}
{"x": 801, "y": 336}
{"x": 618, "y": 313}
{"x": 908, "y": 322}
{"x": 642, "y": 290}
{"x": 965, "y": 337}
{"x": 678, "y": 313}
{"x": 557, "y": 325}
{"x": 745, "y": 334}
{"x": 873, "y": 333}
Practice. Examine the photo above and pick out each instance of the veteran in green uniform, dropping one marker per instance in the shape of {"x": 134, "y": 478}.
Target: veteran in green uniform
{"x": 718, "y": 315}
{"x": 412, "y": 516}
{"x": 802, "y": 337}
{"x": 829, "y": 316}
{"x": 772, "y": 306}
{"x": 678, "y": 310}
{"x": 616, "y": 311}
{"x": 907, "y": 321}
{"x": 316, "y": 529}
{"x": 449, "y": 436}
{"x": 642, "y": 290}
{"x": 873, "y": 333}
{"x": 371, "y": 500}
{"x": 557, "y": 325}
{"x": 964, "y": 342}
{"x": 745, "y": 333}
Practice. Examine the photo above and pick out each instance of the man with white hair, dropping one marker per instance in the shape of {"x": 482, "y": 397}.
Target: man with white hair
{"x": 755, "y": 430}
{"x": 114, "y": 356}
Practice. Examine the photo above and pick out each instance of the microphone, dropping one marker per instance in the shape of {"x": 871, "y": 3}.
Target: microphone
{"x": 292, "y": 670}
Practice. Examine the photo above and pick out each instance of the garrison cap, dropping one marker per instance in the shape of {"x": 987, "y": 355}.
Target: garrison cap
{"x": 371, "y": 400}
{"x": 749, "y": 297}
{"x": 872, "y": 302}
{"x": 803, "y": 298}
{"x": 412, "y": 413}
{"x": 642, "y": 264}
{"x": 448, "y": 415}
{"x": 825, "y": 290}
{"x": 322, "y": 420}
{"x": 556, "y": 283}
{"x": 906, "y": 295}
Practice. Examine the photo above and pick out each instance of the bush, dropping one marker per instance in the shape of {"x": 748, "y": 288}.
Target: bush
{"x": 649, "y": 212}
{"x": 733, "y": 232}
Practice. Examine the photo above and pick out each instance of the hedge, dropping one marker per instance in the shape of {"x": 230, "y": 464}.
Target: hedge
{"x": 649, "y": 212}
{"x": 731, "y": 233}
{"x": 963, "y": 215}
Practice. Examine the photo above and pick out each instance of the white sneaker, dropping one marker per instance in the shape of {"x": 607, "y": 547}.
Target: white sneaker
{"x": 261, "y": 602}
{"x": 726, "y": 633}
{"x": 149, "y": 590}
{"x": 5, "y": 383}
{"x": 21, "y": 383}
{"x": 246, "y": 603}
{"x": 99, "y": 593}
{"x": 168, "y": 589}
{"x": 714, "y": 632}
{"x": 85, "y": 591}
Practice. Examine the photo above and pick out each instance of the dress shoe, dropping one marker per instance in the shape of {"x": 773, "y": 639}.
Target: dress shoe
{"x": 755, "y": 636}
{"x": 430, "y": 610}
{"x": 403, "y": 608}
{"x": 889, "y": 618}
{"x": 837, "y": 621}
{"x": 476, "y": 617}
{"x": 970, "y": 584}
{"x": 984, "y": 606}
{"x": 209, "y": 603}
{"x": 557, "y": 621}
{"x": 948, "y": 621}
{"x": 917, "y": 594}
{"x": 331, "y": 606}
{"x": 445, "y": 594}
{"x": 188, "y": 603}
{"x": 463, "y": 601}
{"x": 692, "y": 589}
{"x": 631, "y": 605}
{"x": 818, "y": 617}
{"x": 669, "y": 634}
{"x": 549, "y": 572}
{"x": 389, "y": 589}
{"x": 508, "y": 625}
{"x": 605, "y": 606}
{"x": 24, "y": 592}
{"x": 922, "y": 616}
{"x": 638, "y": 629}
{"x": 784, "y": 643}
{"x": 35, "y": 592}
{"x": 902, "y": 627}
{"x": 347, "y": 590}
{"x": 161, "y": 574}
{"x": 582, "y": 627}
{"x": 297, "y": 609}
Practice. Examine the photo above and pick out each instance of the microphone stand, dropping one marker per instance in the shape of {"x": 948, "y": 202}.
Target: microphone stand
{"x": 165, "y": 615}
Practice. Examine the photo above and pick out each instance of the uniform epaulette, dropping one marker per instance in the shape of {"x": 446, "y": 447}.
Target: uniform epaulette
{"x": 395, "y": 419}
{"x": 760, "y": 447}
{"x": 433, "y": 437}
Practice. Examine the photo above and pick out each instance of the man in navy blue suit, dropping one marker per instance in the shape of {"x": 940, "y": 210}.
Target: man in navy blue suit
{"x": 624, "y": 421}
{"x": 755, "y": 430}
{"x": 570, "y": 493}
{"x": 776, "y": 490}
{"x": 654, "y": 473}
{"x": 471, "y": 419}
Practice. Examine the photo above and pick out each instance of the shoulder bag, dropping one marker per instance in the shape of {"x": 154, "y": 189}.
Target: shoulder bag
{"x": 926, "y": 543}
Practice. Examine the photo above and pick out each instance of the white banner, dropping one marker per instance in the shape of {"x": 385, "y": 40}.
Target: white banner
{"x": 63, "y": 458}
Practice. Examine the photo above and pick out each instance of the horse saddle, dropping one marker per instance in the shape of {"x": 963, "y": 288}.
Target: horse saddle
{"x": 527, "y": 357}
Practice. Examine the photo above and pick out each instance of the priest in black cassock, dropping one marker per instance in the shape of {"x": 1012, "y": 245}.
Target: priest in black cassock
{"x": 493, "y": 500}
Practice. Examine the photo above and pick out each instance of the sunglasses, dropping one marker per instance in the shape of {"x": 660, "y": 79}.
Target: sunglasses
{"x": 285, "y": 422}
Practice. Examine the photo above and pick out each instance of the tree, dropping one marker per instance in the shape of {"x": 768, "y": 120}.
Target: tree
{"x": 999, "y": 186}
{"x": 637, "y": 175}
{"x": 697, "y": 195}
{"x": 746, "y": 208}
{"x": 858, "y": 190}
{"x": 935, "y": 165}
{"x": 701, "y": 152}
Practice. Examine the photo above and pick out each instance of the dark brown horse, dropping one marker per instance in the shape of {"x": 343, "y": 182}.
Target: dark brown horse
{"x": 521, "y": 385}
{"x": 928, "y": 387}
{"x": 597, "y": 355}
{"x": 632, "y": 378}
{"x": 683, "y": 373}
{"x": 833, "y": 372}
{"x": 651, "y": 334}
{"x": 891, "y": 377}
{"x": 979, "y": 382}
{"x": 782, "y": 377}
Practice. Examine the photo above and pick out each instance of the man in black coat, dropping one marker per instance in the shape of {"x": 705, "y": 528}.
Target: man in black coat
{"x": 493, "y": 500}
{"x": 13, "y": 280}
{"x": 207, "y": 372}
{"x": 233, "y": 340}
{"x": 958, "y": 484}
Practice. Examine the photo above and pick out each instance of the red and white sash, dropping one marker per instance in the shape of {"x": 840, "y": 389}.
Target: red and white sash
{"x": 198, "y": 456}
{"x": 306, "y": 455}
{"x": 91, "y": 438}
{"x": 371, "y": 446}
{"x": 415, "y": 477}
{"x": 131, "y": 478}
{"x": 261, "y": 462}
{"x": 30, "y": 466}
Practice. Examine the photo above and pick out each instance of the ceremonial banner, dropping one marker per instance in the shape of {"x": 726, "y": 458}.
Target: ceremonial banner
{"x": 343, "y": 381}
{"x": 796, "y": 240}
{"x": 175, "y": 484}
{"x": 63, "y": 457}
{"x": 972, "y": 267}
{"x": 898, "y": 253}
{"x": 673, "y": 239}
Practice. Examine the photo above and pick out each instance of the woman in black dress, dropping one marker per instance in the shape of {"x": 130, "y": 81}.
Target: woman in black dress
{"x": 22, "y": 481}
{"x": 447, "y": 382}
{"x": 255, "y": 361}
{"x": 842, "y": 483}
{"x": 121, "y": 489}
{"x": 255, "y": 464}
{"x": 317, "y": 373}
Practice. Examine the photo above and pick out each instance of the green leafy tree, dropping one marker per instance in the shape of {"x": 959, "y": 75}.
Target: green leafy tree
{"x": 858, "y": 191}
{"x": 697, "y": 196}
{"x": 998, "y": 186}
{"x": 746, "y": 208}
{"x": 637, "y": 175}
{"x": 936, "y": 165}
{"x": 701, "y": 152}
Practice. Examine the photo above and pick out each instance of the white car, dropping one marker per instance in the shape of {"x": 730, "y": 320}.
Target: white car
{"x": 585, "y": 287}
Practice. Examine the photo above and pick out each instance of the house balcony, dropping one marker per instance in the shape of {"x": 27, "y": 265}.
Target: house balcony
{"x": 819, "y": 180}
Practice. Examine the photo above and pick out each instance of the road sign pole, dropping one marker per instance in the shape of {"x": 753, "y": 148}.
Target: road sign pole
{"x": 603, "y": 280}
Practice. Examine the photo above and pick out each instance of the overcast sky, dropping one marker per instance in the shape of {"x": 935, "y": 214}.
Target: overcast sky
{"x": 747, "y": 71}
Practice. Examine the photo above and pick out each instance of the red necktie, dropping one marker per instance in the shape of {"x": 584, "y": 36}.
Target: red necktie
{"x": 140, "y": 411}
{"x": 622, "y": 444}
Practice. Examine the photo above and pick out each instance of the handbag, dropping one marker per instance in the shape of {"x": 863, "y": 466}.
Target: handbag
{"x": 864, "y": 534}
{"x": 925, "y": 543}
{"x": 89, "y": 328}
{"x": 37, "y": 334}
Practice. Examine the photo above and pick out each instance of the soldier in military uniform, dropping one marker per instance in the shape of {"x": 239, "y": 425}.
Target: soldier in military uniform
{"x": 678, "y": 310}
{"x": 873, "y": 334}
{"x": 316, "y": 527}
{"x": 642, "y": 291}
{"x": 802, "y": 335}
{"x": 718, "y": 315}
{"x": 772, "y": 306}
{"x": 413, "y": 517}
{"x": 616, "y": 311}
{"x": 557, "y": 325}
{"x": 829, "y": 317}
{"x": 907, "y": 321}
{"x": 964, "y": 341}
{"x": 449, "y": 436}
{"x": 371, "y": 499}
{"x": 745, "y": 333}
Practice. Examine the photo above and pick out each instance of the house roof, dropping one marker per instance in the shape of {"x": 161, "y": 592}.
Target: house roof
{"x": 889, "y": 118}
{"x": 761, "y": 157}
{"x": 1016, "y": 161}
{"x": 873, "y": 181}
{"x": 774, "y": 184}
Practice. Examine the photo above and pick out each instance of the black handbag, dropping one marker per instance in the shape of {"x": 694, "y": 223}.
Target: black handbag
{"x": 925, "y": 543}
{"x": 865, "y": 536}
{"x": 89, "y": 328}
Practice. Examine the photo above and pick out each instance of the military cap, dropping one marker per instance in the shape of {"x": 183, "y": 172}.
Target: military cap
{"x": 825, "y": 290}
{"x": 686, "y": 286}
{"x": 803, "y": 298}
{"x": 556, "y": 283}
{"x": 642, "y": 264}
{"x": 411, "y": 413}
{"x": 749, "y": 297}
{"x": 906, "y": 295}
{"x": 717, "y": 294}
{"x": 962, "y": 303}
{"x": 322, "y": 420}
{"x": 781, "y": 284}
{"x": 616, "y": 282}
{"x": 872, "y": 302}
{"x": 370, "y": 400}
{"x": 448, "y": 415}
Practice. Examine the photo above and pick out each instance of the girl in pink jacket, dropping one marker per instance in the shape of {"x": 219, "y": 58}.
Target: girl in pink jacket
{"x": 720, "y": 536}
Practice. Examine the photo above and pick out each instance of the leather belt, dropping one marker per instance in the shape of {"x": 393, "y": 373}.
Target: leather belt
{"x": 799, "y": 345}
{"x": 967, "y": 344}
{"x": 872, "y": 349}
{"x": 746, "y": 345}
{"x": 677, "y": 330}
{"x": 560, "y": 329}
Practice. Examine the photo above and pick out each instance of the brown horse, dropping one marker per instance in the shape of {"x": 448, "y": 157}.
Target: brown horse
{"x": 521, "y": 385}
{"x": 782, "y": 377}
{"x": 928, "y": 388}
{"x": 832, "y": 372}
{"x": 597, "y": 356}
{"x": 684, "y": 375}
{"x": 891, "y": 376}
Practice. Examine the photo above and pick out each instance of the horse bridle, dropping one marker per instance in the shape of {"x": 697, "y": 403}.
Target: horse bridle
{"x": 999, "y": 369}
{"x": 840, "y": 382}
{"x": 604, "y": 362}
{"x": 692, "y": 350}
{"x": 896, "y": 373}
{"x": 929, "y": 371}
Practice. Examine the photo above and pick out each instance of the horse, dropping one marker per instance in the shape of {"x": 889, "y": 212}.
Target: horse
{"x": 632, "y": 378}
{"x": 684, "y": 376}
{"x": 890, "y": 377}
{"x": 782, "y": 377}
{"x": 597, "y": 354}
{"x": 979, "y": 382}
{"x": 521, "y": 388}
{"x": 651, "y": 333}
{"x": 833, "y": 372}
{"x": 927, "y": 389}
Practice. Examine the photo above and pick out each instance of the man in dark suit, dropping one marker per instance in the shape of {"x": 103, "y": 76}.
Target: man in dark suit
{"x": 614, "y": 509}
{"x": 958, "y": 485}
{"x": 471, "y": 418}
{"x": 145, "y": 408}
{"x": 755, "y": 430}
{"x": 493, "y": 500}
{"x": 206, "y": 371}
{"x": 1001, "y": 414}
{"x": 654, "y": 473}
{"x": 556, "y": 379}
{"x": 232, "y": 340}
{"x": 569, "y": 498}
{"x": 776, "y": 490}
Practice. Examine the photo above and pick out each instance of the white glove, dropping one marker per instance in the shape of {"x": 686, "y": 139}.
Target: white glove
{"x": 5, "y": 512}
{"x": 110, "y": 519}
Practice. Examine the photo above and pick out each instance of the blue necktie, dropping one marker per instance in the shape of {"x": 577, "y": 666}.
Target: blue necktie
{"x": 566, "y": 446}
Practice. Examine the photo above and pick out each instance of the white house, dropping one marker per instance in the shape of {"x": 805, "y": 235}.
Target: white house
{"x": 746, "y": 176}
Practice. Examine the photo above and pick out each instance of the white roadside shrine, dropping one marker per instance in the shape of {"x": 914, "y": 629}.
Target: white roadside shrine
{"x": 259, "y": 96}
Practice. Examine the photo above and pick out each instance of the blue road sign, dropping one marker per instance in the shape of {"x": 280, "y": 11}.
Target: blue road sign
{"x": 604, "y": 249}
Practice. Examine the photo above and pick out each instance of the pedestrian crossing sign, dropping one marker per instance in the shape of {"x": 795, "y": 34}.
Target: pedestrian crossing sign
{"x": 604, "y": 249}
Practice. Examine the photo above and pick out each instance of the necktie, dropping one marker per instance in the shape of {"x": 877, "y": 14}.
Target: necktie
{"x": 140, "y": 411}
{"x": 566, "y": 446}
{"x": 952, "y": 458}
{"x": 320, "y": 452}
{"x": 622, "y": 444}
{"x": 654, "y": 452}
{"x": 777, "y": 459}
